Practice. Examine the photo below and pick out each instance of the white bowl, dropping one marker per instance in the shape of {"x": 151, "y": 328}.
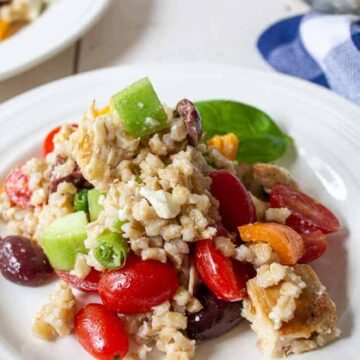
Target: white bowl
{"x": 59, "y": 26}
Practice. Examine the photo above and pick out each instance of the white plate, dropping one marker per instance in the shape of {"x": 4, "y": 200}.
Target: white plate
{"x": 59, "y": 26}
{"x": 325, "y": 161}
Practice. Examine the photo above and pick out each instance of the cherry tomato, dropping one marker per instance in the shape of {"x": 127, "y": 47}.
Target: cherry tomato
{"x": 315, "y": 246}
{"x": 236, "y": 207}
{"x": 89, "y": 284}
{"x": 48, "y": 145}
{"x": 138, "y": 286}
{"x": 17, "y": 187}
{"x": 307, "y": 215}
{"x": 226, "y": 278}
{"x": 101, "y": 333}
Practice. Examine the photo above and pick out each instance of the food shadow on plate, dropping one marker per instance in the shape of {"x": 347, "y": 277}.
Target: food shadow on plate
{"x": 121, "y": 28}
{"x": 332, "y": 269}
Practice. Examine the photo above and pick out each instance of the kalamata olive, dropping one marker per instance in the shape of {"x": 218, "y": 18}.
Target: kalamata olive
{"x": 76, "y": 178}
{"x": 24, "y": 262}
{"x": 215, "y": 319}
{"x": 187, "y": 110}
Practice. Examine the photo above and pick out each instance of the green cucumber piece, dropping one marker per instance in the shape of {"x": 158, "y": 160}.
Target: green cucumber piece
{"x": 140, "y": 109}
{"x": 94, "y": 207}
{"x": 63, "y": 239}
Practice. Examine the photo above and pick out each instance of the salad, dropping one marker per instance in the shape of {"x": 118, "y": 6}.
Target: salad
{"x": 178, "y": 220}
{"x": 15, "y": 14}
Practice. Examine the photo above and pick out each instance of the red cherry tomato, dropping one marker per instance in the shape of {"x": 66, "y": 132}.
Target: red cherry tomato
{"x": 236, "y": 207}
{"x": 48, "y": 145}
{"x": 315, "y": 246}
{"x": 307, "y": 215}
{"x": 89, "y": 284}
{"x": 224, "y": 277}
{"x": 101, "y": 332}
{"x": 138, "y": 286}
{"x": 17, "y": 187}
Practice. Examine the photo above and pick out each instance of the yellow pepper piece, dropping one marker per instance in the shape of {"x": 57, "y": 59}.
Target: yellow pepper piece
{"x": 102, "y": 111}
{"x": 4, "y": 29}
{"x": 225, "y": 144}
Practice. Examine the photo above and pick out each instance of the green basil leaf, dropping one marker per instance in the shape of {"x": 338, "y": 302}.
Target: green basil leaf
{"x": 260, "y": 138}
{"x": 261, "y": 148}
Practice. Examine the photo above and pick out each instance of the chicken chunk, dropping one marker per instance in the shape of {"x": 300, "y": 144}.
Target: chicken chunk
{"x": 312, "y": 323}
{"x": 100, "y": 145}
{"x": 268, "y": 175}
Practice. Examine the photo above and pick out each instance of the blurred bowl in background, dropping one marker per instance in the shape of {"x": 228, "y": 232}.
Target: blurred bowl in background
{"x": 336, "y": 6}
{"x": 60, "y": 26}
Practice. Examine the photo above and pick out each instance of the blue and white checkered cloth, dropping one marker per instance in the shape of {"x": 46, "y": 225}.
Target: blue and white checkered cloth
{"x": 324, "y": 49}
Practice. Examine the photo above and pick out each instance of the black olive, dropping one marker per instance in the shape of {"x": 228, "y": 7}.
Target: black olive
{"x": 215, "y": 319}
{"x": 24, "y": 262}
{"x": 187, "y": 110}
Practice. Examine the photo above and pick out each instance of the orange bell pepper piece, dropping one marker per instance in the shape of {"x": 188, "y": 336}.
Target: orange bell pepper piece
{"x": 286, "y": 242}
{"x": 4, "y": 29}
{"x": 225, "y": 144}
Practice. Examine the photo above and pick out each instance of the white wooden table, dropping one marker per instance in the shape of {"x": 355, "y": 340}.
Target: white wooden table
{"x": 164, "y": 31}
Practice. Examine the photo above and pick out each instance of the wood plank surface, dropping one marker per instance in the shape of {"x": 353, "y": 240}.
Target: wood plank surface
{"x": 164, "y": 31}
{"x": 53, "y": 69}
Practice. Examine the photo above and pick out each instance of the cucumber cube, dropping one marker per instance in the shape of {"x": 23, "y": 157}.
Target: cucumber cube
{"x": 140, "y": 109}
{"x": 63, "y": 239}
{"x": 94, "y": 207}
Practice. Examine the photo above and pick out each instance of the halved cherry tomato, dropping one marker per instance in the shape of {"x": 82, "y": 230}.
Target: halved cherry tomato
{"x": 226, "y": 278}
{"x": 285, "y": 241}
{"x": 17, "y": 187}
{"x": 48, "y": 145}
{"x": 315, "y": 246}
{"x": 307, "y": 215}
{"x": 236, "y": 207}
{"x": 138, "y": 286}
{"x": 101, "y": 332}
{"x": 89, "y": 284}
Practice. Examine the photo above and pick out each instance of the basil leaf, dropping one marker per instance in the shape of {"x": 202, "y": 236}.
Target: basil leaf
{"x": 261, "y": 140}
{"x": 261, "y": 148}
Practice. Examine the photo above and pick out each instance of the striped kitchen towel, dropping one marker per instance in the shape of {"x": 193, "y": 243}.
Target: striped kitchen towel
{"x": 321, "y": 48}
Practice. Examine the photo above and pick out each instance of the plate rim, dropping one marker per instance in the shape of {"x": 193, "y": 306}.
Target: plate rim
{"x": 291, "y": 80}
